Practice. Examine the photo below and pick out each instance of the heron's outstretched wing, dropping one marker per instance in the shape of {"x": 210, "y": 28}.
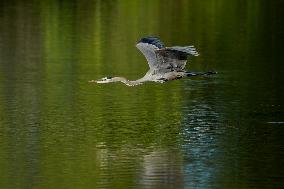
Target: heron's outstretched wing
{"x": 175, "y": 58}
{"x": 148, "y": 46}
{"x": 164, "y": 58}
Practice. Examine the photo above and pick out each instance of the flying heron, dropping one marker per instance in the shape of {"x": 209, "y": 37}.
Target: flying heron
{"x": 166, "y": 63}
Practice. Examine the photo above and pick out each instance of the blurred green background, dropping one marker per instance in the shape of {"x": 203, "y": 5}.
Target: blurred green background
{"x": 59, "y": 131}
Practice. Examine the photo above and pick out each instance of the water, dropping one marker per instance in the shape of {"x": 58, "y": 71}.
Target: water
{"x": 59, "y": 131}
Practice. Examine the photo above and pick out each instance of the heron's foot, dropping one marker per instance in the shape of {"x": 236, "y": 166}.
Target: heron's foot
{"x": 210, "y": 73}
{"x": 92, "y": 81}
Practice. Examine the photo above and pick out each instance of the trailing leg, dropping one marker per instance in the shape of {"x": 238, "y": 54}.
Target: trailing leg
{"x": 190, "y": 74}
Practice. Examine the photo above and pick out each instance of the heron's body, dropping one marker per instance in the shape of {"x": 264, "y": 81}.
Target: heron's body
{"x": 165, "y": 63}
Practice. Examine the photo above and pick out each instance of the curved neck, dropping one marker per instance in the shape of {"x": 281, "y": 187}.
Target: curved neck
{"x": 127, "y": 82}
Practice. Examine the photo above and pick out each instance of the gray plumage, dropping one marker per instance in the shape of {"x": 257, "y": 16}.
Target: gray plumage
{"x": 162, "y": 58}
{"x": 165, "y": 63}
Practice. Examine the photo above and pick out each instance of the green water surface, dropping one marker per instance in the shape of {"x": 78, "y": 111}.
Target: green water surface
{"x": 59, "y": 131}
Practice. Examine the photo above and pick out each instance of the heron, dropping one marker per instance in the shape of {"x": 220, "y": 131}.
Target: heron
{"x": 165, "y": 63}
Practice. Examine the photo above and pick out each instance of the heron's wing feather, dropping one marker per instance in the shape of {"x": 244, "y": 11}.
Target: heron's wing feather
{"x": 148, "y": 51}
{"x": 188, "y": 50}
{"x": 148, "y": 46}
{"x": 175, "y": 57}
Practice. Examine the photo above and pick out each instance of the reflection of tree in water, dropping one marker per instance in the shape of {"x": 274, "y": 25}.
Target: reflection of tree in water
{"x": 20, "y": 103}
{"x": 162, "y": 169}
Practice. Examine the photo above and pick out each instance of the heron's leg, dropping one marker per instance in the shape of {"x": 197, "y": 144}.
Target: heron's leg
{"x": 190, "y": 74}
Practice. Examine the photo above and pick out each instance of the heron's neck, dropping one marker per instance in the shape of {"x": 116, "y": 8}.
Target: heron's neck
{"x": 128, "y": 82}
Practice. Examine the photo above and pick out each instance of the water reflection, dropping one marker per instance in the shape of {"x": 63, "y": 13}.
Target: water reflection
{"x": 201, "y": 133}
{"x": 58, "y": 131}
{"x": 162, "y": 170}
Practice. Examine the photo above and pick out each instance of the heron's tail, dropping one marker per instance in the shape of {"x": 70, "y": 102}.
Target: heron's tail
{"x": 190, "y": 74}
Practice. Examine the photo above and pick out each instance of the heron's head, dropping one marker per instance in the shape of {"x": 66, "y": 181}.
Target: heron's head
{"x": 105, "y": 80}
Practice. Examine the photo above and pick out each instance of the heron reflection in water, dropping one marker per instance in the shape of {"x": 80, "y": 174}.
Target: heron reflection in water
{"x": 166, "y": 63}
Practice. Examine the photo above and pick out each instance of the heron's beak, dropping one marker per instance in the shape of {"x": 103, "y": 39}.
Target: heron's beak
{"x": 100, "y": 81}
{"x": 97, "y": 81}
